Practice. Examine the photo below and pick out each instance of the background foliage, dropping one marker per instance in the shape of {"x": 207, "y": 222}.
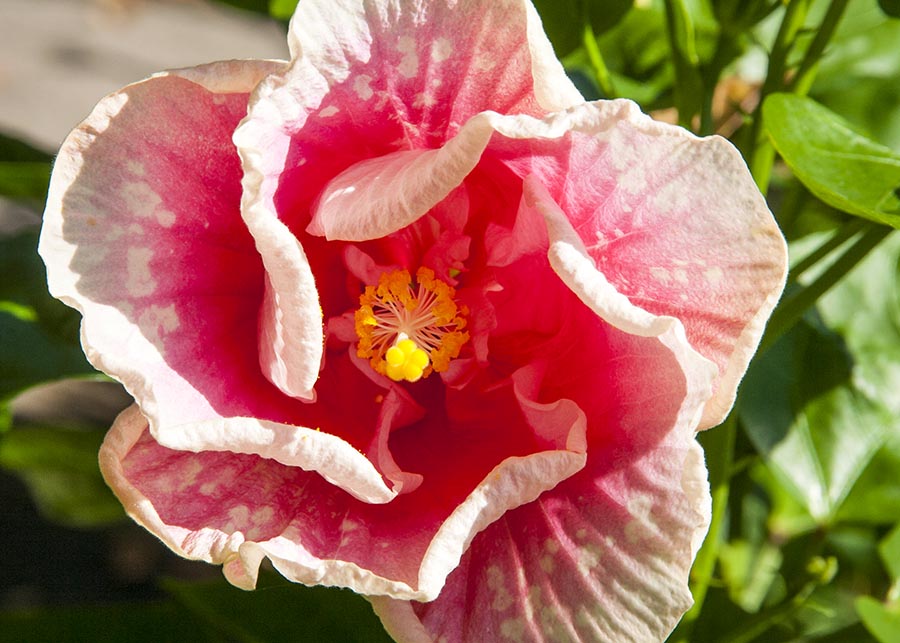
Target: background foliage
{"x": 805, "y": 541}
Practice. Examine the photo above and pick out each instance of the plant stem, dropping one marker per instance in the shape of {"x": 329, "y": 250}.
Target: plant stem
{"x": 792, "y": 308}
{"x": 771, "y": 617}
{"x": 835, "y": 241}
{"x": 601, "y": 72}
{"x": 680, "y": 33}
{"x": 802, "y": 81}
{"x": 719, "y": 448}
{"x": 759, "y": 151}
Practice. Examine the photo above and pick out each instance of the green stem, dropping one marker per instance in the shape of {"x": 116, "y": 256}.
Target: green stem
{"x": 769, "y": 618}
{"x": 791, "y": 309}
{"x": 806, "y": 72}
{"x": 835, "y": 241}
{"x": 719, "y": 448}
{"x": 722, "y": 55}
{"x": 601, "y": 71}
{"x": 759, "y": 151}
{"x": 680, "y": 34}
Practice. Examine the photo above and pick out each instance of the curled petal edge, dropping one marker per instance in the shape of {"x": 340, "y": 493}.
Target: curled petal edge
{"x": 404, "y": 626}
{"x": 511, "y": 483}
{"x": 291, "y": 338}
{"x": 379, "y": 196}
{"x": 570, "y": 260}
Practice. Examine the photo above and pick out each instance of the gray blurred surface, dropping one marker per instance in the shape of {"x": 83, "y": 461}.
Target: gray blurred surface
{"x": 59, "y": 57}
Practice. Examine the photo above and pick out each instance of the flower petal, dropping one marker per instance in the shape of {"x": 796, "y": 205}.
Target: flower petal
{"x": 236, "y": 509}
{"x": 379, "y": 196}
{"x": 604, "y": 556}
{"x": 143, "y": 234}
{"x": 371, "y": 79}
{"x": 674, "y": 223}
{"x": 143, "y": 192}
{"x": 441, "y": 59}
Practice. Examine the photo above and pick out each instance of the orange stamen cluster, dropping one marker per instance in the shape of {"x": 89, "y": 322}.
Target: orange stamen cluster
{"x": 408, "y": 328}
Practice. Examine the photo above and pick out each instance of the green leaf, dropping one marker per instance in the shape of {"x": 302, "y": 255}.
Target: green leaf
{"x": 22, "y": 180}
{"x": 884, "y": 624}
{"x": 890, "y": 7}
{"x": 876, "y": 497}
{"x": 816, "y": 432}
{"x": 13, "y": 149}
{"x": 859, "y": 77}
{"x": 787, "y": 518}
{"x": 865, "y": 309}
{"x": 749, "y": 570}
{"x": 38, "y": 334}
{"x": 281, "y": 611}
{"x": 282, "y": 9}
{"x": 146, "y": 623}
{"x": 840, "y": 166}
{"x": 60, "y": 468}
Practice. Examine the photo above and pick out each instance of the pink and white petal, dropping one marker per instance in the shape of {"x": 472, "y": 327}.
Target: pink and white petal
{"x": 291, "y": 329}
{"x": 369, "y": 79}
{"x": 578, "y": 271}
{"x": 235, "y": 509}
{"x": 212, "y": 506}
{"x": 621, "y": 359}
{"x": 378, "y": 196}
{"x": 330, "y": 437}
{"x": 604, "y": 556}
{"x": 674, "y": 223}
{"x": 143, "y": 235}
{"x": 444, "y": 61}
{"x": 143, "y": 193}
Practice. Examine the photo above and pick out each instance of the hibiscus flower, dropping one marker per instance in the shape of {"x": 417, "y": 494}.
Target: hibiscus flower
{"x": 407, "y": 315}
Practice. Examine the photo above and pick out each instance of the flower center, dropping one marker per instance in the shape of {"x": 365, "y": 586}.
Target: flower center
{"x": 409, "y": 328}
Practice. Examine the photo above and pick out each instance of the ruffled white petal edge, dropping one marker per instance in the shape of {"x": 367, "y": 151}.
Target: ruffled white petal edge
{"x": 552, "y": 87}
{"x": 511, "y": 483}
{"x": 291, "y": 339}
{"x": 307, "y": 448}
{"x": 404, "y": 626}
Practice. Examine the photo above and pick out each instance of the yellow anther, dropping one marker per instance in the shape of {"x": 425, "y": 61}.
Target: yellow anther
{"x": 408, "y": 328}
{"x": 395, "y": 356}
{"x": 405, "y": 361}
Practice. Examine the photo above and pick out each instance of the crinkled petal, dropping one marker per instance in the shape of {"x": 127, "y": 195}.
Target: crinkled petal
{"x": 144, "y": 194}
{"x": 291, "y": 334}
{"x": 674, "y": 223}
{"x": 604, "y": 556}
{"x": 236, "y": 509}
{"x": 445, "y": 61}
{"x": 379, "y": 196}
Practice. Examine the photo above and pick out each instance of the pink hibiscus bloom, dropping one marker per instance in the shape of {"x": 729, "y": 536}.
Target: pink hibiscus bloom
{"x": 407, "y": 315}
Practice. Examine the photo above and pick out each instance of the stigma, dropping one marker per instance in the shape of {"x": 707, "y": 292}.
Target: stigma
{"x": 409, "y": 328}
